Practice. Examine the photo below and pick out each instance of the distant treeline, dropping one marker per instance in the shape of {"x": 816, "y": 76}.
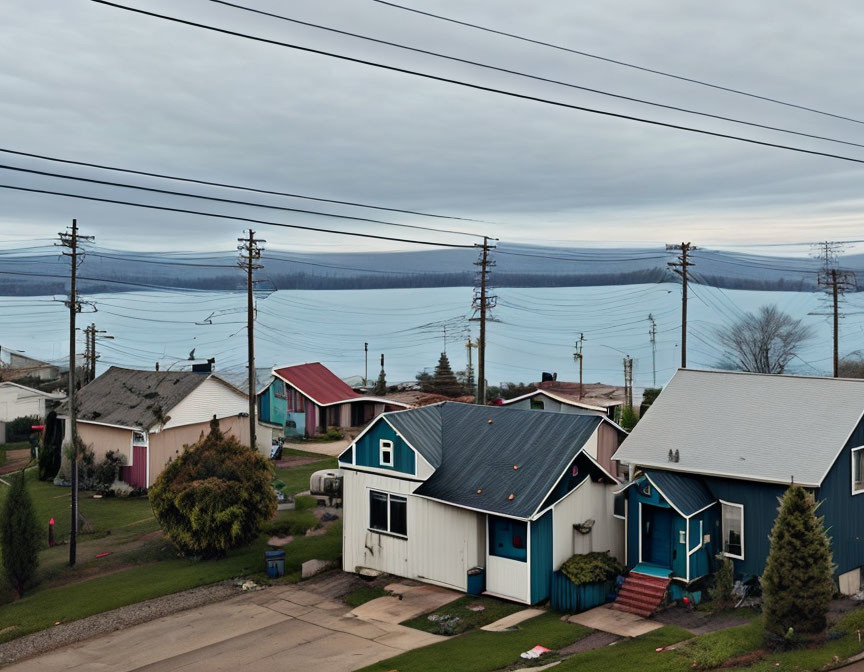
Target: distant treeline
{"x": 233, "y": 282}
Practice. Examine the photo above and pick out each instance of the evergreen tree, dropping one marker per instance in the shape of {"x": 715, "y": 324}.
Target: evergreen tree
{"x": 19, "y": 536}
{"x": 797, "y": 584}
{"x": 629, "y": 418}
{"x": 444, "y": 381}
{"x": 380, "y": 384}
{"x": 724, "y": 582}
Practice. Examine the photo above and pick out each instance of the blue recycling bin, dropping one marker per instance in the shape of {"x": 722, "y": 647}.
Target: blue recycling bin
{"x": 476, "y": 581}
{"x": 275, "y": 563}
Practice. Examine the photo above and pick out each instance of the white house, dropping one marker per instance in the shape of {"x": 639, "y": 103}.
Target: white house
{"x": 17, "y": 401}
{"x": 433, "y": 492}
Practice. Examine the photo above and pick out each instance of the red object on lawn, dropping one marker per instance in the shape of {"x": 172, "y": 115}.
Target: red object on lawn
{"x": 102, "y": 555}
{"x": 51, "y": 532}
{"x": 38, "y": 428}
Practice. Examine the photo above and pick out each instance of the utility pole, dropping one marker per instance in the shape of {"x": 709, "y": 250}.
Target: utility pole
{"x": 483, "y": 302}
{"x": 250, "y": 252}
{"x": 839, "y": 282}
{"x": 578, "y": 357}
{"x": 469, "y": 372}
{"x": 628, "y": 380}
{"x": 365, "y": 365}
{"x": 71, "y": 240}
{"x": 91, "y": 333}
{"x": 680, "y": 267}
{"x": 652, "y": 333}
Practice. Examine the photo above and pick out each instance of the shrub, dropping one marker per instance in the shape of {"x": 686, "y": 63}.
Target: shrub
{"x": 19, "y": 429}
{"x": 628, "y": 418}
{"x": 106, "y": 472}
{"x": 724, "y": 582}
{"x": 333, "y": 434}
{"x": 797, "y": 585}
{"x": 50, "y": 453}
{"x": 19, "y": 536}
{"x": 591, "y": 568}
{"x": 214, "y": 497}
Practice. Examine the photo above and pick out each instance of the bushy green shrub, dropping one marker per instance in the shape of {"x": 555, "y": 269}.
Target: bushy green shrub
{"x": 106, "y": 472}
{"x": 214, "y": 497}
{"x": 333, "y": 434}
{"x": 797, "y": 585}
{"x": 591, "y": 568}
{"x": 19, "y": 536}
{"x": 724, "y": 582}
{"x": 628, "y": 418}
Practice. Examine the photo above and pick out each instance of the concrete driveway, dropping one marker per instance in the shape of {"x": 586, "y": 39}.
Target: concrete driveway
{"x": 280, "y": 628}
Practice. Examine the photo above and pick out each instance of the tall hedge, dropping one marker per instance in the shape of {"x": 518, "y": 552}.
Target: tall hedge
{"x": 19, "y": 536}
{"x": 214, "y": 497}
{"x": 798, "y": 583}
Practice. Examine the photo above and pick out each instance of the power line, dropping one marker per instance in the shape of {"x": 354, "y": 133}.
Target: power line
{"x": 235, "y": 218}
{"x": 257, "y": 190}
{"x": 233, "y": 201}
{"x": 653, "y": 71}
{"x": 480, "y": 87}
{"x": 538, "y": 78}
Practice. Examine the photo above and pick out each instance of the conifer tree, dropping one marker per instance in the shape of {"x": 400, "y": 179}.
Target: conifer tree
{"x": 444, "y": 381}
{"x": 380, "y": 384}
{"x": 19, "y": 536}
{"x": 797, "y": 584}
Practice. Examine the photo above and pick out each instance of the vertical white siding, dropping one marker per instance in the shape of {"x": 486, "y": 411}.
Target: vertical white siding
{"x": 443, "y": 542}
{"x": 16, "y": 402}
{"x": 589, "y": 501}
{"x": 212, "y": 397}
{"x": 508, "y": 578}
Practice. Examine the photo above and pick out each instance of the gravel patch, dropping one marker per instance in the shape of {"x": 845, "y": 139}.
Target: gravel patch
{"x": 116, "y": 619}
{"x": 593, "y": 641}
{"x": 700, "y": 622}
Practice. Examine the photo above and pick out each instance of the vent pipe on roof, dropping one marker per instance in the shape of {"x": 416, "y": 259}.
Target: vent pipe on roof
{"x": 671, "y": 456}
{"x": 677, "y": 456}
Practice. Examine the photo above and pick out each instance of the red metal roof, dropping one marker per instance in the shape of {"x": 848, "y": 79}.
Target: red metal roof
{"x": 317, "y": 382}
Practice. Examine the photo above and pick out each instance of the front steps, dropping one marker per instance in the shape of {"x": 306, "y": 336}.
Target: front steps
{"x": 641, "y": 594}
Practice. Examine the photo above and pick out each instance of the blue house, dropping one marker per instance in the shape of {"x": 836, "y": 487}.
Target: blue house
{"x": 478, "y": 498}
{"x": 714, "y": 453}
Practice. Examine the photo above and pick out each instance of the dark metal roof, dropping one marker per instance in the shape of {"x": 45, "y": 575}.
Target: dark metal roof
{"x": 421, "y": 427}
{"x": 480, "y": 445}
{"x": 688, "y": 494}
{"x": 133, "y": 398}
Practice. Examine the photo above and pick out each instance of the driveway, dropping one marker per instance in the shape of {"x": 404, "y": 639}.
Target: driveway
{"x": 280, "y": 628}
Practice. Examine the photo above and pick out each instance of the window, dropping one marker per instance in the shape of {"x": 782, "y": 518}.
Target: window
{"x": 279, "y": 389}
{"x": 388, "y": 513}
{"x": 385, "y": 453}
{"x": 508, "y": 538}
{"x": 733, "y": 530}
{"x": 857, "y": 470}
{"x": 139, "y": 439}
{"x": 538, "y": 405}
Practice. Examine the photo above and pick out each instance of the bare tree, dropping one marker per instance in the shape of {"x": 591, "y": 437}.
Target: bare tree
{"x": 852, "y": 365}
{"x": 763, "y": 342}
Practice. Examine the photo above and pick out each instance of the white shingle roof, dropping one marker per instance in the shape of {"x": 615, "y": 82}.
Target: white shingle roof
{"x": 747, "y": 425}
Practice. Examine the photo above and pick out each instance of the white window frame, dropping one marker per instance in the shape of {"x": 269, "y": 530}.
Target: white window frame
{"x": 385, "y": 445}
{"x": 852, "y": 471}
{"x": 389, "y": 496}
{"x": 723, "y": 529}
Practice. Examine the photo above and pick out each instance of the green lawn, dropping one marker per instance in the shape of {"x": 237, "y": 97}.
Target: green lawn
{"x": 468, "y": 619}
{"x": 296, "y": 479}
{"x": 481, "y": 651}
{"x": 41, "y": 608}
{"x": 639, "y": 653}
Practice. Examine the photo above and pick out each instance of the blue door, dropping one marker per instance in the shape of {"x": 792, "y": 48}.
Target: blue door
{"x": 657, "y": 535}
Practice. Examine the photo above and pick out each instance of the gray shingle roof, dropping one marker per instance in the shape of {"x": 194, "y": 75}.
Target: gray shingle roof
{"x": 688, "y": 494}
{"x": 747, "y": 425}
{"x": 132, "y": 398}
{"x": 473, "y": 454}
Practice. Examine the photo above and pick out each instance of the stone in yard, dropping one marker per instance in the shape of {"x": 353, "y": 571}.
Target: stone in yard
{"x": 476, "y": 607}
{"x": 313, "y": 567}
{"x": 280, "y": 541}
{"x": 316, "y": 532}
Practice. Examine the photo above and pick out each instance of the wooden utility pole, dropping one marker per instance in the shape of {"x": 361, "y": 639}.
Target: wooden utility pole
{"x": 838, "y": 282}
{"x": 680, "y": 267}
{"x": 250, "y": 252}
{"x": 652, "y": 333}
{"x": 365, "y": 365}
{"x": 628, "y": 381}
{"x": 483, "y": 302}
{"x": 469, "y": 372}
{"x": 577, "y": 355}
{"x": 91, "y": 333}
{"x": 71, "y": 240}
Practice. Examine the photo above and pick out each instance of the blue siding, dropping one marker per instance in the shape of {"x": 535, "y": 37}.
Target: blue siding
{"x": 760, "y": 510}
{"x": 271, "y": 408}
{"x": 541, "y": 558}
{"x": 368, "y": 450}
{"x": 568, "y": 481}
{"x": 843, "y": 511}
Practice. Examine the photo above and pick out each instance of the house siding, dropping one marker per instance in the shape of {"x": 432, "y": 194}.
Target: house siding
{"x": 100, "y": 439}
{"x": 212, "y": 397}
{"x": 590, "y": 501}
{"x": 541, "y": 557}
{"x": 367, "y": 450}
{"x": 843, "y": 511}
{"x": 442, "y": 544}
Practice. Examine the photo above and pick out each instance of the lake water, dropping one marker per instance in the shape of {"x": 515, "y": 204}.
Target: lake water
{"x": 534, "y": 329}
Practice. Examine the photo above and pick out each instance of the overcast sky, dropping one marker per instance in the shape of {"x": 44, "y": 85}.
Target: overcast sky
{"x": 89, "y": 82}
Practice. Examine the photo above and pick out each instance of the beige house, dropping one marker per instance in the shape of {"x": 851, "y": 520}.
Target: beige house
{"x": 149, "y": 416}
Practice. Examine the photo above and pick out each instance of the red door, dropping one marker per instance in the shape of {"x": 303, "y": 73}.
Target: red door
{"x": 136, "y": 474}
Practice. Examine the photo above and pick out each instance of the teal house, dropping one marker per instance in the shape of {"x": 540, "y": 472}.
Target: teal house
{"x": 710, "y": 459}
{"x": 479, "y": 498}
